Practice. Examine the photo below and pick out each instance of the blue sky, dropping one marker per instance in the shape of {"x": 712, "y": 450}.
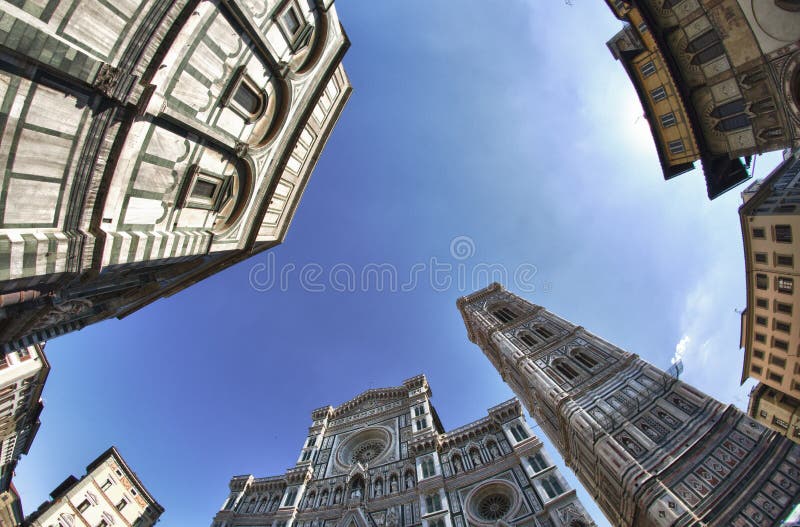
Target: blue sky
{"x": 504, "y": 125}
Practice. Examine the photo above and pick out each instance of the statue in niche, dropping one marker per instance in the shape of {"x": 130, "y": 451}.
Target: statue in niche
{"x": 476, "y": 458}
{"x": 378, "y": 489}
{"x": 494, "y": 451}
{"x": 393, "y": 483}
{"x": 409, "y": 480}
{"x": 457, "y": 466}
{"x": 337, "y": 496}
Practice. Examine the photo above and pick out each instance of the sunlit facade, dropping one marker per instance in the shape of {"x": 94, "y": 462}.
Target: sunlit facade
{"x": 719, "y": 81}
{"x": 148, "y": 145}
{"x": 650, "y": 449}
{"x": 383, "y": 459}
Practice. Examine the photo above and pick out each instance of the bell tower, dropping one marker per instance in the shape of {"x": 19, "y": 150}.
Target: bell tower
{"x": 650, "y": 449}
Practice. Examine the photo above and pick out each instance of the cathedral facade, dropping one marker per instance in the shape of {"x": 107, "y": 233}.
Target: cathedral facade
{"x": 650, "y": 449}
{"x": 383, "y": 459}
{"x": 148, "y": 144}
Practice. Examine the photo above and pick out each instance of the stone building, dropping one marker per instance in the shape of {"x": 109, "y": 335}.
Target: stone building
{"x": 10, "y": 508}
{"x": 109, "y": 494}
{"x": 719, "y": 80}
{"x": 770, "y": 222}
{"x": 383, "y": 459}
{"x": 22, "y": 377}
{"x": 149, "y": 144}
{"x": 650, "y": 449}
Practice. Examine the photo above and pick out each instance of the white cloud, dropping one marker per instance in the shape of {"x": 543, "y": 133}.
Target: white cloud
{"x": 680, "y": 349}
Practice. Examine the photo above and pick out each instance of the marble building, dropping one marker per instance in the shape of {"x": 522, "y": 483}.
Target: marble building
{"x": 651, "y": 450}
{"x": 148, "y": 144}
{"x": 719, "y": 80}
{"x": 383, "y": 459}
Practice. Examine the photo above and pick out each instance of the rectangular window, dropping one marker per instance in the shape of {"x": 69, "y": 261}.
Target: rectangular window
{"x": 783, "y": 233}
{"x": 659, "y": 94}
{"x": 785, "y": 208}
{"x": 784, "y": 284}
{"x": 668, "y": 120}
{"x": 780, "y": 307}
{"x": 779, "y": 325}
{"x": 106, "y": 485}
{"x": 758, "y": 354}
{"x": 82, "y": 506}
{"x": 204, "y": 190}
{"x": 291, "y": 21}
{"x": 780, "y": 344}
{"x": 676, "y": 147}
{"x": 433, "y": 503}
{"x": 758, "y": 232}
{"x": 780, "y": 423}
{"x": 761, "y": 257}
{"x": 761, "y": 338}
{"x": 762, "y": 282}
{"x": 761, "y": 321}
{"x": 777, "y": 361}
{"x": 762, "y": 413}
{"x": 785, "y": 260}
{"x": 642, "y": 28}
{"x": 762, "y": 303}
{"x": 756, "y": 369}
{"x": 122, "y": 503}
{"x": 647, "y": 69}
{"x": 775, "y": 377}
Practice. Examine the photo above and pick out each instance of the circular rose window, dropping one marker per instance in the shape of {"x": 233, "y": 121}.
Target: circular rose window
{"x": 367, "y": 451}
{"x": 364, "y": 447}
{"x": 494, "y": 506}
{"x": 492, "y": 501}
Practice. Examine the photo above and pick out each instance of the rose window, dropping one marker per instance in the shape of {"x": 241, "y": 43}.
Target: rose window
{"x": 367, "y": 451}
{"x": 494, "y": 506}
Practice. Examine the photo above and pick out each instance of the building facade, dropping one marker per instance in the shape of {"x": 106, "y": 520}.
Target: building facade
{"x": 109, "y": 494}
{"x": 383, "y": 459}
{"x": 148, "y": 144}
{"x": 650, "y": 449}
{"x": 770, "y": 335}
{"x": 719, "y": 80}
{"x": 10, "y": 508}
{"x": 22, "y": 377}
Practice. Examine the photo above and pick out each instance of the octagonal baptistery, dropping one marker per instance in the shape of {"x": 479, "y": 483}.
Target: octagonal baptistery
{"x": 383, "y": 459}
{"x": 150, "y": 143}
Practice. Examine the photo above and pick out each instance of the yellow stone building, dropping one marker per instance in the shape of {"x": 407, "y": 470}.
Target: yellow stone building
{"x": 718, "y": 80}
{"x": 770, "y": 335}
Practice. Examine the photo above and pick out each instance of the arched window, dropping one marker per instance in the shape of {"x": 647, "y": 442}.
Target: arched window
{"x": 566, "y": 370}
{"x": 428, "y": 467}
{"x": 504, "y": 314}
{"x": 245, "y": 97}
{"x": 552, "y": 487}
{"x": 585, "y": 359}
{"x": 519, "y": 432}
{"x": 537, "y": 462}
{"x": 251, "y": 505}
{"x": 543, "y": 332}
{"x": 528, "y": 339}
